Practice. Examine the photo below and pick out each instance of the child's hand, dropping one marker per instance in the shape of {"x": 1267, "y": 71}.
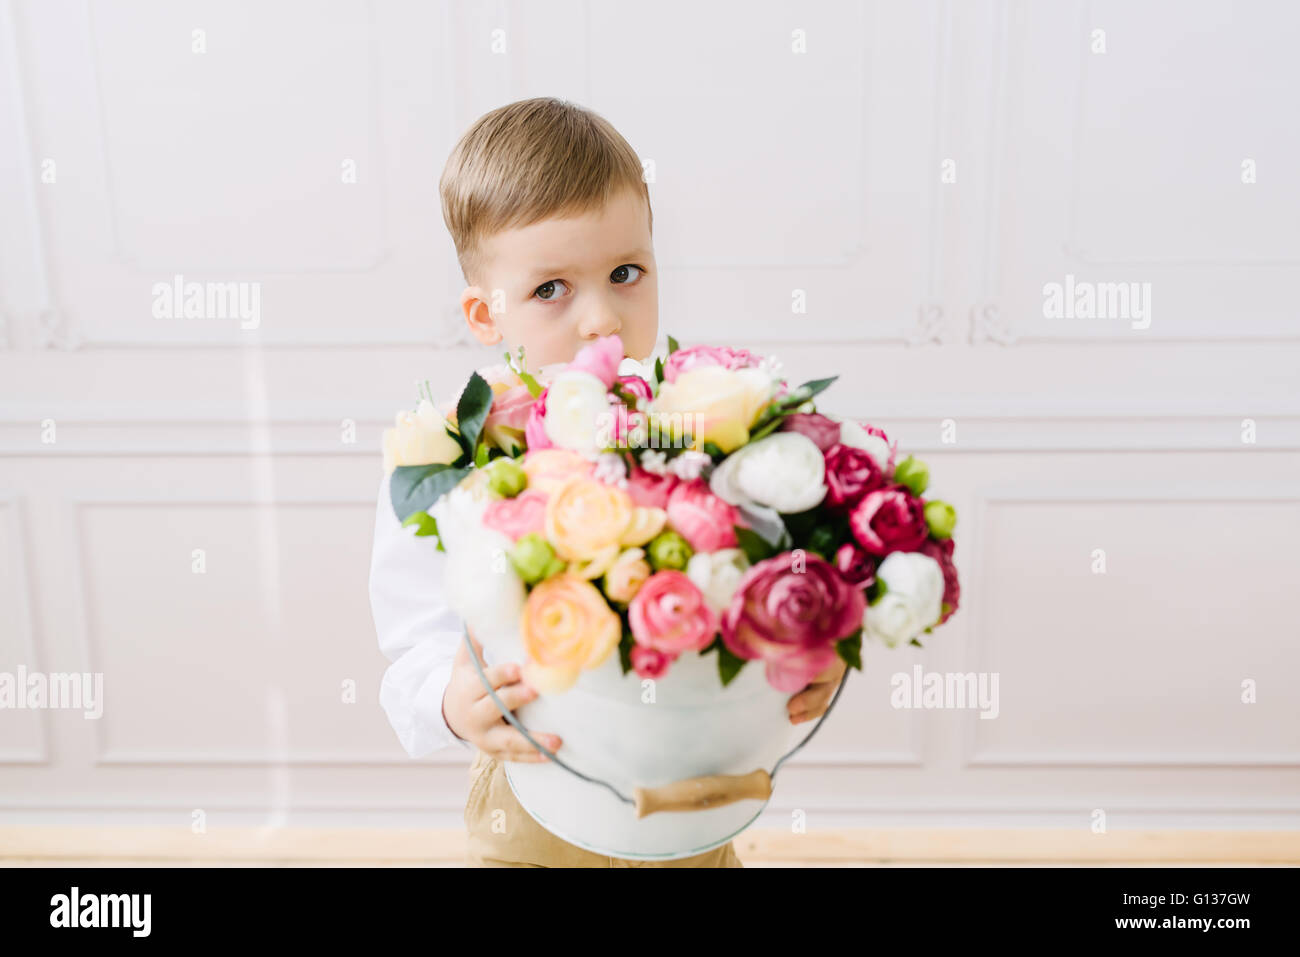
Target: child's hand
{"x": 813, "y": 701}
{"x": 474, "y": 716}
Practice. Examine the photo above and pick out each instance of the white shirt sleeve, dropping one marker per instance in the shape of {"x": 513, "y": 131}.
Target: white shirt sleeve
{"x": 418, "y": 631}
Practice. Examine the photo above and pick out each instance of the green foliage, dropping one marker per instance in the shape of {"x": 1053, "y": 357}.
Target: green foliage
{"x": 850, "y": 649}
{"x": 415, "y": 488}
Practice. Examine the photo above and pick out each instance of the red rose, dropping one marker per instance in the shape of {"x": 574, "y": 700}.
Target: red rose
{"x": 850, "y": 474}
{"x": 889, "y": 520}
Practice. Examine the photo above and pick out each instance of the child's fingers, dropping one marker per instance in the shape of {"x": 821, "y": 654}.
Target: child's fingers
{"x": 485, "y": 710}
{"x": 507, "y": 744}
{"x": 499, "y": 675}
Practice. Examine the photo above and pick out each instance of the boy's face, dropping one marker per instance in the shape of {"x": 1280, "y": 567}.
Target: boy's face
{"x": 558, "y": 284}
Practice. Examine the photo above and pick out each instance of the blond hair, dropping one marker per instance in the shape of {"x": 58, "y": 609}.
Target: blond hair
{"x": 527, "y": 161}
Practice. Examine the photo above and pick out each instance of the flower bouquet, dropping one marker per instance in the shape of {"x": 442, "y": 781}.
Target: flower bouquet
{"x": 671, "y": 553}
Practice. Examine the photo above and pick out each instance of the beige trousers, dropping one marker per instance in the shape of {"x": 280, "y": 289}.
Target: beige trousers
{"x": 522, "y": 842}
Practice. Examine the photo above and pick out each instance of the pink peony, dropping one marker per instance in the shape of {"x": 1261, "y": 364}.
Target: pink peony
{"x": 700, "y": 517}
{"x": 850, "y": 474}
{"x": 823, "y": 431}
{"x": 791, "y": 619}
{"x": 636, "y": 385}
{"x": 889, "y": 520}
{"x": 649, "y": 662}
{"x": 518, "y": 516}
{"x": 535, "y": 429}
{"x": 601, "y": 358}
{"x": 649, "y": 490}
{"x": 941, "y": 552}
{"x": 508, "y": 418}
{"x": 857, "y": 567}
{"x": 696, "y": 356}
{"x": 670, "y": 615}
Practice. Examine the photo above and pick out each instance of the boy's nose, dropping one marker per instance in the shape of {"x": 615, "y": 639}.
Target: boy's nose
{"x": 601, "y": 321}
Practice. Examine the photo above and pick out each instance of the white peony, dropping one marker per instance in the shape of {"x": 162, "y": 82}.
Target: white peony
{"x": 481, "y": 584}
{"x": 577, "y": 408}
{"x": 717, "y": 574}
{"x": 784, "y": 471}
{"x": 913, "y": 599}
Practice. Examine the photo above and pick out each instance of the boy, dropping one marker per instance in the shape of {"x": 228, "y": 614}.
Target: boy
{"x": 553, "y": 230}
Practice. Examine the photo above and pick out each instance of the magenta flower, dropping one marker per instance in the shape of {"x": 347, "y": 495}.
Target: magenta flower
{"x": 650, "y": 662}
{"x": 669, "y": 614}
{"x": 857, "y": 567}
{"x": 941, "y": 552}
{"x": 696, "y": 356}
{"x": 850, "y": 474}
{"x": 823, "y": 431}
{"x": 889, "y": 520}
{"x": 704, "y": 520}
{"x": 789, "y": 611}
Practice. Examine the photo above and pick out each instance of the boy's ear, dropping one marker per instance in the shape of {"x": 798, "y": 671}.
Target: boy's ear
{"x": 474, "y": 303}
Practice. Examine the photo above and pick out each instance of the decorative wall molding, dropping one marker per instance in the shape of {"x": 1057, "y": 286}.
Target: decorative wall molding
{"x": 21, "y": 617}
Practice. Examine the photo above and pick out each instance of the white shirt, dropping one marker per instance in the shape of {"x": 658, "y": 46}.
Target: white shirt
{"x": 418, "y": 631}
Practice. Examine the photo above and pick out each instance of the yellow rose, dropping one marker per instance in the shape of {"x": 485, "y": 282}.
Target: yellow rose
{"x": 586, "y": 517}
{"x": 713, "y": 403}
{"x": 419, "y": 438}
{"x": 548, "y": 469}
{"x": 567, "y": 627}
{"x": 626, "y": 576}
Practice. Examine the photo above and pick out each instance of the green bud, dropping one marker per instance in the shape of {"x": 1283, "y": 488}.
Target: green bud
{"x": 913, "y": 473}
{"x": 940, "y": 518}
{"x": 507, "y": 478}
{"x": 668, "y": 550}
{"x": 532, "y": 557}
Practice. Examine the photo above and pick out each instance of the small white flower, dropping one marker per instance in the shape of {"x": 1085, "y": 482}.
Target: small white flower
{"x": 654, "y": 461}
{"x": 772, "y": 366}
{"x": 716, "y": 575}
{"x": 689, "y": 465}
{"x": 610, "y": 469}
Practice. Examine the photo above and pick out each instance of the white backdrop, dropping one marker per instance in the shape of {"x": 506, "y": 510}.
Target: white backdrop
{"x": 914, "y": 172}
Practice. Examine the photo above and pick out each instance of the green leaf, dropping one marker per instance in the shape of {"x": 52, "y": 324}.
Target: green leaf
{"x": 771, "y": 426}
{"x": 876, "y": 591}
{"x": 850, "y": 649}
{"x": 625, "y": 647}
{"x": 729, "y": 665}
{"x": 814, "y": 386}
{"x": 672, "y": 345}
{"x": 713, "y": 451}
{"x": 917, "y": 643}
{"x": 425, "y": 525}
{"x": 754, "y": 545}
{"x": 472, "y": 411}
{"x": 659, "y": 370}
{"x": 414, "y": 488}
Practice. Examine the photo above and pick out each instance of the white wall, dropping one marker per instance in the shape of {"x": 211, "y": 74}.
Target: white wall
{"x": 775, "y": 171}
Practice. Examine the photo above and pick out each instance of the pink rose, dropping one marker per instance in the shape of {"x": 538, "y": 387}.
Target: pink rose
{"x": 857, "y": 567}
{"x": 700, "y": 517}
{"x": 600, "y": 358}
{"x": 889, "y": 520}
{"x": 518, "y": 516}
{"x": 535, "y": 429}
{"x": 508, "y": 418}
{"x": 649, "y": 662}
{"x": 792, "y": 619}
{"x": 850, "y": 474}
{"x": 649, "y": 490}
{"x": 670, "y": 615}
{"x": 696, "y": 356}
{"x": 823, "y": 431}
{"x": 941, "y": 552}
{"x": 636, "y": 385}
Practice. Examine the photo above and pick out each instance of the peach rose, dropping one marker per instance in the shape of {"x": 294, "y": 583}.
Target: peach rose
{"x": 585, "y": 518}
{"x": 626, "y": 576}
{"x": 548, "y": 469}
{"x": 566, "y": 628}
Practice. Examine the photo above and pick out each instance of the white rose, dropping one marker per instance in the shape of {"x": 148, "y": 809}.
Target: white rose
{"x": 784, "y": 471}
{"x": 913, "y": 599}
{"x": 716, "y": 575}
{"x": 856, "y": 436}
{"x": 419, "y": 438}
{"x": 481, "y": 584}
{"x": 577, "y": 406}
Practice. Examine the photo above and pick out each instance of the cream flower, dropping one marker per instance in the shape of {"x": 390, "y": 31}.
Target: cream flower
{"x": 419, "y": 438}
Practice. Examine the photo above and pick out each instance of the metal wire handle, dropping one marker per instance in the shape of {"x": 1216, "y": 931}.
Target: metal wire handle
{"x": 509, "y": 716}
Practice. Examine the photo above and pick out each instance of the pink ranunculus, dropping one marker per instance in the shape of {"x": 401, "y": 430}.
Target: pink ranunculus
{"x": 850, "y": 474}
{"x": 889, "y": 520}
{"x": 823, "y": 431}
{"x": 601, "y": 358}
{"x": 508, "y": 418}
{"x": 696, "y": 356}
{"x": 650, "y": 662}
{"x": 518, "y": 516}
{"x": 669, "y": 614}
{"x": 857, "y": 567}
{"x": 649, "y": 490}
{"x": 535, "y": 428}
{"x": 941, "y": 552}
{"x": 790, "y": 616}
{"x": 704, "y": 520}
{"x": 637, "y": 386}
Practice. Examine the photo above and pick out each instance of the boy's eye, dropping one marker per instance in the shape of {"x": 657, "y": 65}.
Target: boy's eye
{"x": 620, "y": 275}
{"x": 546, "y": 291}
